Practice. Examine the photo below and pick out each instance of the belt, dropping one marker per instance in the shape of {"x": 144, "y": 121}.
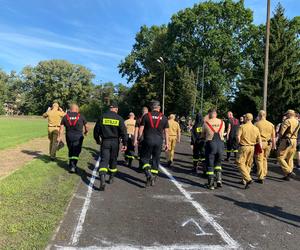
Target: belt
{"x": 247, "y": 145}
{"x": 173, "y": 135}
{"x": 53, "y": 126}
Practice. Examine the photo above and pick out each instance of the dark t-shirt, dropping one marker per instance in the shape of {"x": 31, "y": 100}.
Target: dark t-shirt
{"x": 73, "y": 132}
{"x": 149, "y": 131}
{"x": 235, "y": 124}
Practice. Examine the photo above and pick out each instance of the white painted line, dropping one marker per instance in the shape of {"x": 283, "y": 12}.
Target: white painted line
{"x": 158, "y": 247}
{"x": 202, "y": 232}
{"x": 225, "y": 236}
{"x": 78, "y": 229}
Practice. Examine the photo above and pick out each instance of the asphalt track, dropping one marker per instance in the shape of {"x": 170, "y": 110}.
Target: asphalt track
{"x": 179, "y": 212}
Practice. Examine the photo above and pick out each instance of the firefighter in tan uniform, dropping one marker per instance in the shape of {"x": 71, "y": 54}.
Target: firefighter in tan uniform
{"x": 54, "y": 115}
{"x": 174, "y": 138}
{"x": 130, "y": 127}
{"x": 248, "y": 137}
{"x": 213, "y": 133}
{"x": 268, "y": 138}
{"x": 287, "y": 144}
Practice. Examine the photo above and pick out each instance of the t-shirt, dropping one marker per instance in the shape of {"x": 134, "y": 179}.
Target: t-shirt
{"x": 234, "y": 126}
{"x": 130, "y": 126}
{"x": 266, "y": 129}
{"x": 54, "y": 117}
{"x": 149, "y": 131}
{"x": 217, "y": 125}
{"x": 174, "y": 128}
{"x": 249, "y": 134}
{"x": 73, "y": 129}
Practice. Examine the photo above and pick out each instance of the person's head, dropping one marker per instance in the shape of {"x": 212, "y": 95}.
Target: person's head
{"x": 199, "y": 118}
{"x": 172, "y": 117}
{"x": 155, "y": 106}
{"x": 262, "y": 115}
{"x": 74, "y": 108}
{"x": 242, "y": 119}
{"x": 290, "y": 113}
{"x": 131, "y": 115}
{"x": 248, "y": 117}
{"x": 230, "y": 115}
{"x": 145, "y": 110}
{"x": 55, "y": 106}
{"x": 114, "y": 107}
{"x": 212, "y": 113}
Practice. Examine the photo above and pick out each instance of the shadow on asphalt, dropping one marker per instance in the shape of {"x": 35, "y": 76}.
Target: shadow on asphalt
{"x": 275, "y": 212}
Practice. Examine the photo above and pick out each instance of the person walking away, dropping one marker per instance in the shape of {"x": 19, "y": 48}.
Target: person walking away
{"x": 268, "y": 138}
{"x": 213, "y": 133}
{"x": 108, "y": 131}
{"x": 231, "y": 137}
{"x": 139, "y": 142}
{"x": 75, "y": 123}
{"x": 197, "y": 143}
{"x": 130, "y": 127}
{"x": 248, "y": 137}
{"x": 287, "y": 144}
{"x": 54, "y": 115}
{"x": 298, "y": 146}
{"x": 154, "y": 127}
{"x": 174, "y": 138}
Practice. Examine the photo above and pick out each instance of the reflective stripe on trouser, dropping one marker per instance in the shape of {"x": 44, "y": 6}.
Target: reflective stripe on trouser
{"x": 214, "y": 152}
{"x": 172, "y": 142}
{"x": 151, "y": 150}
{"x": 262, "y": 161}
{"x": 129, "y": 154}
{"x": 74, "y": 147}
{"x": 245, "y": 160}
{"x": 285, "y": 155}
{"x": 109, "y": 155}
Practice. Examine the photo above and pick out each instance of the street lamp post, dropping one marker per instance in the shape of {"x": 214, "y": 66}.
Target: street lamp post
{"x": 266, "y": 70}
{"x": 162, "y": 62}
{"x": 202, "y": 86}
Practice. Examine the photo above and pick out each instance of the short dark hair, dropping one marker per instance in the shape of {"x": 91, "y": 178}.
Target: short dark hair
{"x": 154, "y": 104}
{"x": 212, "y": 110}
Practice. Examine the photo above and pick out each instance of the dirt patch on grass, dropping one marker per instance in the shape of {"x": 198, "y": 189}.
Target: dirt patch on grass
{"x": 15, "y": 158}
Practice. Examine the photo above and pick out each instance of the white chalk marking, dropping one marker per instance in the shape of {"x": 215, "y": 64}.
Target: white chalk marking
{"x": 158, "y": 247}
{"x": 78, "y": 229}
{"x": 225, "y": 236}
{"x": 202, "y": 232}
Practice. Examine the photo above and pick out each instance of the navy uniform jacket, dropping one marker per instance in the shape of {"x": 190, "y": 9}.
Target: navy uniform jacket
{"x": 110, "y": 126}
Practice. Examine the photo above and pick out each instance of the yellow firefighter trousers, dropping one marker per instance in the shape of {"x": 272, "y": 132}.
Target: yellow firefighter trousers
{"x": 52, "y": 135}
{"x": 172, "y": 144}
{"x": 285, "y": 155}
{"x": 245, "y": 160}
{"x": 262, "y": 161}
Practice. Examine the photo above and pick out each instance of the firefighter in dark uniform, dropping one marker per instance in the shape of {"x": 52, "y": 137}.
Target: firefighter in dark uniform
{"x": 197, "y": 143}
{"x": 213, "y": 132}
{"x": 74, "y": 123}
{"x": 108, "y": 131}
{"x": 232, "y": 129}
{"x": 154, "y": 126}
{"x": 139, "y": 142}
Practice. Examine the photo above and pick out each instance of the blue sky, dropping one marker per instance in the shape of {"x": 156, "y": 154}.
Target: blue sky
{"x": 95, "y": 33}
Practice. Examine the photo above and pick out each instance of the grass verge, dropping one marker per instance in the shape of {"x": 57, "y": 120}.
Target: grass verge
{"x": 14, "y": 131}
{"x": 33, "y": 199}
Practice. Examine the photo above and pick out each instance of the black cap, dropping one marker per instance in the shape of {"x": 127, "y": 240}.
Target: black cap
{"x": 113, "y": 105}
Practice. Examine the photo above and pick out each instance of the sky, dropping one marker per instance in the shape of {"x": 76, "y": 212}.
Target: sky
{"x": 95, "y": 33}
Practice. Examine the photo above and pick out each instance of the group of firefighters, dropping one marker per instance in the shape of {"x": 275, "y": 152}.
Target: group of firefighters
{"x": 153, "y": 133}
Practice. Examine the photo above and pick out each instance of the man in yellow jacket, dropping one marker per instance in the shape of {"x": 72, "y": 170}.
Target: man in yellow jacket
{"x": 268, "y": 137}
{"x": 248, "y": 137}
{"x": 174, "y": 138}
{"x": 54, "y": 115}
{"x": 287, "y": 144}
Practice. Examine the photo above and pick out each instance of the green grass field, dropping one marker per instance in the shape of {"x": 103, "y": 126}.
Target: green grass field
{"x": 34, "y": 198}
{"x": 14, "y": 131}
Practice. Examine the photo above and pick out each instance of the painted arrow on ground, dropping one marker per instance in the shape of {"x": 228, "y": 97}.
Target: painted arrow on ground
{"x": 201, "y": 233}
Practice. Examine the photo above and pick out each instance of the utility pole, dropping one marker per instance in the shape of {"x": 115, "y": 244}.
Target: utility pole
{"x": 202, "y": 87}
{"x": 195, "y": 99}
{"x": 161, "y": 61}
{"x": 266, "y": 70}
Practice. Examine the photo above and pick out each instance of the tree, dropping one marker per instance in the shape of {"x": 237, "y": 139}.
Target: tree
{"x": 56, "y": 80}
{"x": 284, "y": 68}
{"x": 215, "y": 31}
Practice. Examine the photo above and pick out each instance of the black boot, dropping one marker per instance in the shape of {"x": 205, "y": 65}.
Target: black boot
{"x": 153, "y": 180}
{"x": 149, "y": 178}
{"x": 129, "y": 163}
{"x": 211, "y": 183}
{"x": 72, "y": 167}
{"x": 111, "y": 179}
{"x": 102, "y": 182}
{"x": 195, "y": 164}
{"x": 219, "y": 178}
